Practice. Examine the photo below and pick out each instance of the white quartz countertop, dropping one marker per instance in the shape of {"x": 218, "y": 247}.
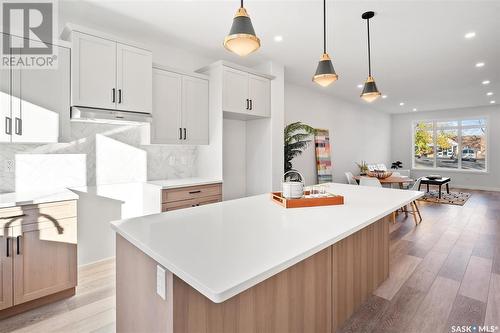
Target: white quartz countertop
{"x": 184, "y": 182}
{"x": 225, "y": 248}
{"x": 13, "y": 199}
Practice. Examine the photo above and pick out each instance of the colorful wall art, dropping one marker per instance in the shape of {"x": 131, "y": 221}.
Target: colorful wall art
{"x": 323, "y": 158}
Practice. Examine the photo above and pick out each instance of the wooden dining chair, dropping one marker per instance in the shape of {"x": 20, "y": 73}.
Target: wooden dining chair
{"x": 413, "y": 209}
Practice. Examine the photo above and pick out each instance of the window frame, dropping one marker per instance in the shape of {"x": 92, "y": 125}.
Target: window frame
{"x": 459, "y": 129}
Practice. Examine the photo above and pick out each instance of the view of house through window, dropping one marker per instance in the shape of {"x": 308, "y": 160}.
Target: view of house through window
{"x": 455, "y": 144}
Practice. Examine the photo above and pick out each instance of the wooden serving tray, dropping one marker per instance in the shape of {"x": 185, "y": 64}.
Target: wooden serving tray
{"x": 306, "y": 202}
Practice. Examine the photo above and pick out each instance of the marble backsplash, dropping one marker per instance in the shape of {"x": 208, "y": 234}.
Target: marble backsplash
{"x": 96, "y": 154}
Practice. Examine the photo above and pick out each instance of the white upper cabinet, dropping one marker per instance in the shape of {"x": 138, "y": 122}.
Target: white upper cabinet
{"x": 109, "y": 74}
{"x": 259, "y": 94}
{"x": 94, "y": 72}
{"x": 38, "y": 101}
{"x": 235, "y": 91}
{"x": 133, "y": 77}
{"x": 195, "y": 110}
{"x": 167, "y": 107}
{"x": 180, "y": 109}
{"x": 43, "y": 113}
{"x": 245, "y": 93}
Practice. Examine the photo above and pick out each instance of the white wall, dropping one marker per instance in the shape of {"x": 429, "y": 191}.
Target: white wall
{"x": 401, "y": 148}
{"x": 234, "y": 167}
{"x": 356, "y": 131}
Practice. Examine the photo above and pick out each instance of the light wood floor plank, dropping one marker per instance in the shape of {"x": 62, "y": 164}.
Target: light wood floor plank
{"x": 398, "y": 274}
{"x": 71, "y": 317}
{"x": 436, "y": 305}
{"x": 424, "y": 275}
{"x": 493, "y": 306}
{"x": 476, "y": 281}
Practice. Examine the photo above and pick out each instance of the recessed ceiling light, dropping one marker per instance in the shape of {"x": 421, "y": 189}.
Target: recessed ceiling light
{"x": 414, "y": 109}
{"x": 480, "y": 64}
{"x": 489, "y": 93}
{"x": 470, "y": 35}
{"x": 278, "y": 38}
{"x": 485, "y": 82}
{"x": 401, "y": 104}
{"x": 384, "y": 96}
{"x": 492, "y": 102}
{"x": 359, "y": 86}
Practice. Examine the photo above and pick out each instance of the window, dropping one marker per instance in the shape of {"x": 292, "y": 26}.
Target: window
{"x": 452, "y": 144}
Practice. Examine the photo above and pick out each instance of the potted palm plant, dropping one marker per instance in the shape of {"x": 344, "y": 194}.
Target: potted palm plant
{"x": 297, "y": 138}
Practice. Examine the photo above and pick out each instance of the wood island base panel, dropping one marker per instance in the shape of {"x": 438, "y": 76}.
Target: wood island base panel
{"x": 317, "y": 294}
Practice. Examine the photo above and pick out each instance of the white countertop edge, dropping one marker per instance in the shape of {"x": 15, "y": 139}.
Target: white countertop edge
{"x": 219, "y": 297}
{"x": 17, "y": 199}
{"x": 163, "y": 184}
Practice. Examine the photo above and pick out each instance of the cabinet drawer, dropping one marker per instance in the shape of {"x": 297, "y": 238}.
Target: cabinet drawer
{"x": 29, "y": 214}
{"x": 190, "y": 203}
{"x": 192, "y": 192}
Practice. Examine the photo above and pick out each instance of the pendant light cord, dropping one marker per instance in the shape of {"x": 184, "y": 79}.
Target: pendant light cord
{"x": 241, "y": 4}
{"x": 369, "y": 53}
{"x": 324, "y": 26}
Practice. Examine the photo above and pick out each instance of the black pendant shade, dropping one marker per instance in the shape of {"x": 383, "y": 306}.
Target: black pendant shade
{"x": 325, "y": 73}
{"x": 242, "y": 39}
{"x": 370, "y": 91}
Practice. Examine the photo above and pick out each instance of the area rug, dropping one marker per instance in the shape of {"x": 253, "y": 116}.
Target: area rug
{"x": 454, "y": 198}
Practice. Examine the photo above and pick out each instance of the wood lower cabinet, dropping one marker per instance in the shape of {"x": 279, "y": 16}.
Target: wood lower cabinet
{"x": 317, "y": 294}
{"x": 38, "y": 255}
{"x": 6, "y": 299}
{"x": 192, "y": 196}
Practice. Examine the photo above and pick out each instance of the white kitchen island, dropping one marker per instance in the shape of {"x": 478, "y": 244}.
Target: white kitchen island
{"x": 251, "y": 265}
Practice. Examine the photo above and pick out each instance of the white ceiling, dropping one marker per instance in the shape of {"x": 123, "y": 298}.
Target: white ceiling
{"x": 419, "y": 53}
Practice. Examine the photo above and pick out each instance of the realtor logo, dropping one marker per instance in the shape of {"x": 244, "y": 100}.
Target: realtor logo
{"x": 28, "y": 35}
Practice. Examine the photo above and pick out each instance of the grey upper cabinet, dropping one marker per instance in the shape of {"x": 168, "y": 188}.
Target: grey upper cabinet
{"x": 35, "y": 103}
{"x": 245, "y": 93}
{"x": 108, "y": 74}
{"x": 180, "y": 108}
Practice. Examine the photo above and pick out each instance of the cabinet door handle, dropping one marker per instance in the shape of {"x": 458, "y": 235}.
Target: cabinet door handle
{"x": 194, "y": 192}
{"x": 185, "y": 133}
{"x": 251, "y": 105}
{"x": 18, "y": 125}
{"x": 18, "y": 244}
{"x": 8, "y": 247}
{"x": 113, "y": 95}
{"x": 119, "y": 96}
{"x": 180, "y": 133}
{"x": 8, "y": 125}
{"x": 248, "y": 104}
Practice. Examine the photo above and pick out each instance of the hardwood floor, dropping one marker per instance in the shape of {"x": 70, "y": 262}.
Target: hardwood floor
{"x": 92, "y": 309}
{"x": 444, "y": 272}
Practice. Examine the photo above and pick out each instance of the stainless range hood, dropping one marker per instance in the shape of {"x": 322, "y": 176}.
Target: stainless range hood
{"x": 109, "y": 116}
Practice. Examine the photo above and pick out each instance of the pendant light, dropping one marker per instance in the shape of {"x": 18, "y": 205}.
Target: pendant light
{"x": 242, "y": 39}
{"x": 370, "y": 91}
{"x": 325, "y": 73}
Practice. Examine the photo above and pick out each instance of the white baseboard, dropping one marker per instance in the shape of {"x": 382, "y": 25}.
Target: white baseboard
{"x": 473, "y": 187}
{"x": 97, "y": 262}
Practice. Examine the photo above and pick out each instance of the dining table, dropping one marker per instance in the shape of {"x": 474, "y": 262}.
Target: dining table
{"x": 399, "y": 180}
